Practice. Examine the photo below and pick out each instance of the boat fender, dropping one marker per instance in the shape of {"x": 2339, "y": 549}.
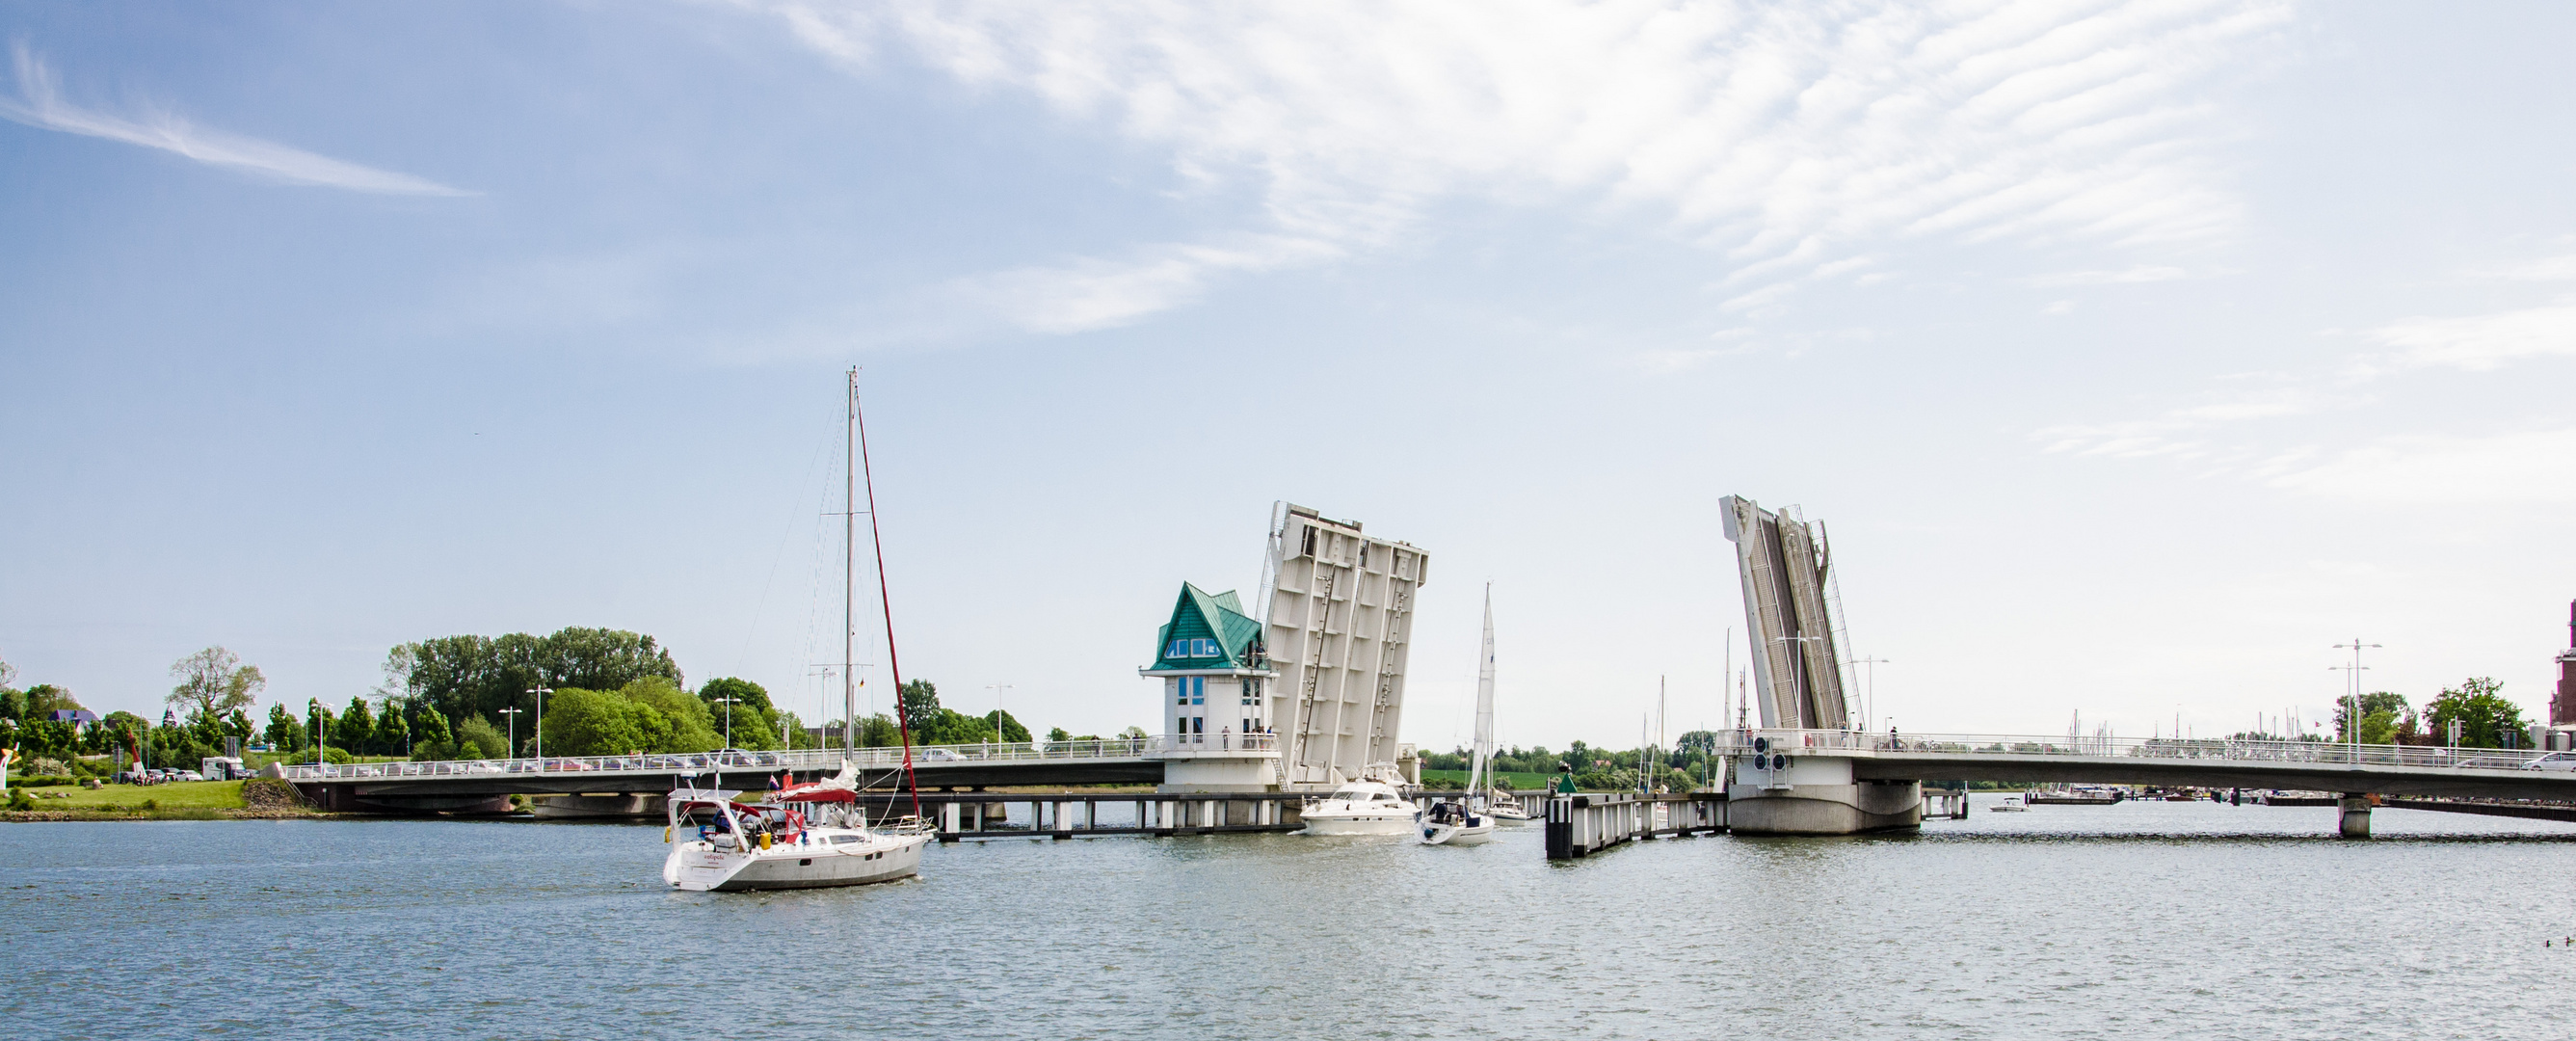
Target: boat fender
{"x": 666, "y": 835}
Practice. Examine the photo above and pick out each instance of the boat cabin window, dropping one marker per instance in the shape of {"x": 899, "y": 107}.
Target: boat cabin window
{"x": 841, "y": 839}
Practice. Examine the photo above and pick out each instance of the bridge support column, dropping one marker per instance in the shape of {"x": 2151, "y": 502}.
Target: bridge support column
{"x": 2356, "y": 816}
{"x": 1785, "y": 793}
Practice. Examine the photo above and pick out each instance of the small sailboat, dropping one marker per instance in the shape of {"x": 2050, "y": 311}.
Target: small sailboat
{"x": 1472, "y": 823}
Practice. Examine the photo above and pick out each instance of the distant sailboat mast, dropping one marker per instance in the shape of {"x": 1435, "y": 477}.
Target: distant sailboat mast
{"x": 1478, "y": 780}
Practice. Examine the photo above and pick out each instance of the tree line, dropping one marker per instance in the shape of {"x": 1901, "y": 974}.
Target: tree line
{"x": 603, "y": 691}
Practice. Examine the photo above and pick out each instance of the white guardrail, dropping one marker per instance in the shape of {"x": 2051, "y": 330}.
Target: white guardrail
{"x": 803, "y": 759}
{"x": 1743, "y": 742}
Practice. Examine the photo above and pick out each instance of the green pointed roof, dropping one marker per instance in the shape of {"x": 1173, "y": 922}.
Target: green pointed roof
{"x": 1207, "y": 631}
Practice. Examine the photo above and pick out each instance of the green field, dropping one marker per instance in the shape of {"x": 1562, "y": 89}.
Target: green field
{"x": 176, "y": 795}
{"x": 1521, "y": 782}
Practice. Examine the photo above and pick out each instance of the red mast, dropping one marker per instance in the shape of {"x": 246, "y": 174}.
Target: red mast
{"x": 876, "y": 539}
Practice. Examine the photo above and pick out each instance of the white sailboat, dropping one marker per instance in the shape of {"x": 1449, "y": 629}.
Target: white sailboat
{"x": 1472, "y": 823}
{"x": 807, "y": 836}
{"x": 813, "y": 834}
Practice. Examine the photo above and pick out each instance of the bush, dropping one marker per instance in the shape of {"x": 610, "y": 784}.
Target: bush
{"x": 485, "y": 738}
{"x": 20, "y": 800}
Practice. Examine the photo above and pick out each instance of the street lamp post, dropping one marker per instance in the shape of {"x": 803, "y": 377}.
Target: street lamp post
{"x": 999, "y": 738}
{"x": 728, "y": 704}
{"x": 513, "y": 713}
{"x": 2352, "y": 704}
{"x": 541, "y": 691}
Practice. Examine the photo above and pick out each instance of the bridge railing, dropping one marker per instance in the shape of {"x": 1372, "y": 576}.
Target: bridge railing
{"x": 1746, "y": 742}
{"x": 806, "y": 759}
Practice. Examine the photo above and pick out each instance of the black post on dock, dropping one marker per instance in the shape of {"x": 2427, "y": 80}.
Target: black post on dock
{"x": 1560, "y": 827}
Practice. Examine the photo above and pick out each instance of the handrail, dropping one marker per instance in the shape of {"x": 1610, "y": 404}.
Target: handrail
{"x": 929, "y": 756}
{"x": 1799, "y": 742}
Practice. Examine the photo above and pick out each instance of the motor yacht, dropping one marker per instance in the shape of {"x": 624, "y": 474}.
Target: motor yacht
{"x": 1367, "y": 806}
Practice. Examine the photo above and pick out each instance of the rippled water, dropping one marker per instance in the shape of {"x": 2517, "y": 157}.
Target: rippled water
{"x": 2140, "y": 920}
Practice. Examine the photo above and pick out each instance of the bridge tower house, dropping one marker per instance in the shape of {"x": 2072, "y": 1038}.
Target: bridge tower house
{"x": 1794, "y": 784}
{"x": 1214, "y": 677}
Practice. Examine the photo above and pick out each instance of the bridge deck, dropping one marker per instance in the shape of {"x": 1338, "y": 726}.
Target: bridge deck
{"x": 2357, "y": 769}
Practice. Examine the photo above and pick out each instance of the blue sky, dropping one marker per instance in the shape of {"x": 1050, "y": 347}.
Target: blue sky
{"x": 2135, "y": 354}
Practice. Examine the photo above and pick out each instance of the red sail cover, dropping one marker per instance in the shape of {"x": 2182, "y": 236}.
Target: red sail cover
{"x": 819, "y": 791}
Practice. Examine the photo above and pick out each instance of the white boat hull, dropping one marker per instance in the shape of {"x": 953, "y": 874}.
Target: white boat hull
{"x": 1476, "y": 834}
{"x": 701, "y": 867}
{"x": 1359, "y": 825}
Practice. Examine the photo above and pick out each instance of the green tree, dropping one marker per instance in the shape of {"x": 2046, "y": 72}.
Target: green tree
{"x": 1133, "y": 733}
{"x": 463, "y": 676}
{"x": 693, "y": 729}
{"x": 357, "y": 729}
{"x": 878, "y": 730}
{"x": 285, "y": 733}
{"x": 590, "y": 722}
{"x": 919, "y": 703}
{"x": 1009, "y": 728}
{"x": 214, "y": 682}
{"x": 2485, "y": 716}
{"x": 1058, "y": 736}
{"x": 430, "y": 736}
{"x": 2380, "y": 713}
{"x": 754, "y": 724}
{"x": 393, "y": 736}
{"x": 45, "y": 699}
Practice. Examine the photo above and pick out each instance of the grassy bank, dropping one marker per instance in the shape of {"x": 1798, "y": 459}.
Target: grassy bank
{"x": 179, "y": 800}
{"x": 1523, "y": 782}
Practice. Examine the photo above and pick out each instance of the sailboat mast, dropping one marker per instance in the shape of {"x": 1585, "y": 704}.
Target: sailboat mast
{"x": 849, "y": 561}
{"x": 876, "y": 541}
{"x": 1478, "y": 774}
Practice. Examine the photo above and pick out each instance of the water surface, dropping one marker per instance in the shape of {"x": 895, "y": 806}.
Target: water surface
{"x": 2138, "y": 920}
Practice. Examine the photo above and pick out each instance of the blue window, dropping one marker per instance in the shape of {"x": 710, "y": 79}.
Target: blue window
{"x": 1178, "y": 649}
{"x": 1198, "y": 689}
{"x": 1207, "y": 649}
{"x": 1180, "y": 690}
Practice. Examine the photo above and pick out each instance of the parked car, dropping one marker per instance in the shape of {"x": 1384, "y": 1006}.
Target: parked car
{"x": 941, "y": 755}
{"x": 2561, "y": 761}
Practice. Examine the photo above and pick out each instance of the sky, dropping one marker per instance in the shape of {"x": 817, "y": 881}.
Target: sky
{"x": 2134, "y": 355}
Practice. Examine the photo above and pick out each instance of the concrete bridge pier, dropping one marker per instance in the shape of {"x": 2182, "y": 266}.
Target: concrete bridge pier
{"x": 1781, "y": 792}
{"x": 2356, "y": 816}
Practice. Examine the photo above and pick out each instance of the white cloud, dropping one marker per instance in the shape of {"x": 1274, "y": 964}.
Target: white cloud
{"x": 1788, "y": 137}
{"x": 2141, "y": 273}
{"x": 2537, "y": 466}
{"x": 39, "y": 104}
{"x": 2479, "y": 342}
{"x": 2179, "y": 431}
{"x": 1092, "y": 294}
